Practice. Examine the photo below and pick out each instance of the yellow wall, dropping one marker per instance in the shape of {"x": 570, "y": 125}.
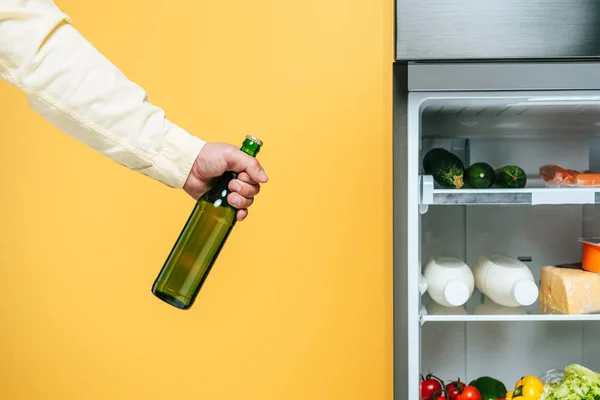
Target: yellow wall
{"x": 300, "y": 303}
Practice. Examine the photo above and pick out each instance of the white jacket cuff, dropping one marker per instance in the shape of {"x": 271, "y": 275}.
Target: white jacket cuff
{"x": 176, "y": 157}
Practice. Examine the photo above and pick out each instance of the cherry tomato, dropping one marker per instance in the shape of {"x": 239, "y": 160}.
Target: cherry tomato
{"x": 429, "y": 386}
{"x": 469, "y": 393}
{"x": 440, "y": 395}
{"x": 454, "y": 389}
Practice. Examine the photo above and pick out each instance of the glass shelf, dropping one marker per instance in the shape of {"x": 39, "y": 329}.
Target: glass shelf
{"x": 535, "y": 194}
{"x": 481, "y": 309}
{"x": 508, "y": 317}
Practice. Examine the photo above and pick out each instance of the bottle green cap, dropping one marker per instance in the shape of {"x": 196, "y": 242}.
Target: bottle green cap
{"x": 254, "y": 139}
{"x": 251, "y": 145}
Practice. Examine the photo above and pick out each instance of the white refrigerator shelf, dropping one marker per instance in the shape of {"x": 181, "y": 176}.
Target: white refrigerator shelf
{"x": 526, "y": 196}
{"x": 508, "y": 317}
{"x": 481, "y": 309}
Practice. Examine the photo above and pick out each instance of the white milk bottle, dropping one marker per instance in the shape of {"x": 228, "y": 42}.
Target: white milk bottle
{"x": 506, "y": 281}
{"x": 450, "y": 281}
{"x": 422, "y": 285}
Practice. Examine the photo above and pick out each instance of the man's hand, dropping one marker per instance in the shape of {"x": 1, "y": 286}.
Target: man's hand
{"x": 217, "y": 158}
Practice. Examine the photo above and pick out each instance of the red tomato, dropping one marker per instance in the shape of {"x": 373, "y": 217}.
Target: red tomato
{"x": 440, "y": 395}
{"x": 454, "y": 389}
{"x": 457, "y": 390}
{"x": 429, "y": 387}
{"x": 469, "y": 393}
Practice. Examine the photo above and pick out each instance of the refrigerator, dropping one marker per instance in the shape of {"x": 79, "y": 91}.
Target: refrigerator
{"x": 503, "y": 82}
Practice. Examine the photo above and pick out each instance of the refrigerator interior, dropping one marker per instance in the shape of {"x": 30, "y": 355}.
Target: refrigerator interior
{"x": 537, "y": 225}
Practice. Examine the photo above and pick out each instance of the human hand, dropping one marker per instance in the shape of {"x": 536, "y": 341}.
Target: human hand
{"x": 217, "y": 158}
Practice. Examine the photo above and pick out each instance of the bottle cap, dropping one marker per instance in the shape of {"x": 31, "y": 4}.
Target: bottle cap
{"x": 525, "y": 292}
{"x": 456, "y": 293}
{"x": 254, "y": 139}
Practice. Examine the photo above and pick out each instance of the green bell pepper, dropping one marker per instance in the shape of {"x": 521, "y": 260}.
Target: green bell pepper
{"x": 489, "y": 388}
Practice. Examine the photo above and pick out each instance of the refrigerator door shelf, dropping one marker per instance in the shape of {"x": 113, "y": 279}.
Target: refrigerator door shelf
{"x": 526, "y": 196}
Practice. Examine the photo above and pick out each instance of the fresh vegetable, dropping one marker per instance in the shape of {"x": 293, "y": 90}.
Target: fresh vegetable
{"x": 440, "y": 395}
{"x": 453, "y": 388}
{"x": 579, "y": 383}
{"x": 530, "y": 381}
{"x": 469, "y": 393}
{"x": 480, "y": 175}
{"x": 446, "y": 168}
{"x": 430, "y": 386}
{"x": 527, "y": 388}
{"x": 457, "y": 390}
{"x": 489, "y": 388}
{"x": 509, "y": 396}
{"x": 510, "y": 176}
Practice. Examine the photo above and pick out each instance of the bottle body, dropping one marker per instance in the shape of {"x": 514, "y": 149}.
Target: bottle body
{"x": 506, "y": 281}
{"x": 199, "y": 243}
{"x": 450, "y": 282}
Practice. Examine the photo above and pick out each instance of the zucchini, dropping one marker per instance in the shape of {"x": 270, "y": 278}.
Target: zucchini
{"x": 480, "y": 176}
{"x": 510, "y": 176}
{"x": 446, "y": 168}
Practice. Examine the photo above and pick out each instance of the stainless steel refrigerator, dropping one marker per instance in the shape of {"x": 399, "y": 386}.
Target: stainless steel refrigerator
{"x": 503, "y": 82}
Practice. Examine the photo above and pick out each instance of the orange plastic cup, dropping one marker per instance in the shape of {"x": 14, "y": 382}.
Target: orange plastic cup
{"x": 591, "y": 257}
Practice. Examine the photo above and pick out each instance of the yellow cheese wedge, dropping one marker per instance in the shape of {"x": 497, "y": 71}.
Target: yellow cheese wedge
{"x": 569, "y": 291}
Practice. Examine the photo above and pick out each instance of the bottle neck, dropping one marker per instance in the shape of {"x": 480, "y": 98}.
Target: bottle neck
{"x": 251, "y": 146}
{"x": 220, "y": 186}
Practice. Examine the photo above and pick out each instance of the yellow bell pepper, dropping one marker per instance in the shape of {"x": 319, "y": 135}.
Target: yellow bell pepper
{"x": 527, "y": 388}
{"x": 509, "y": 396}
{"x": 530, "y": 380}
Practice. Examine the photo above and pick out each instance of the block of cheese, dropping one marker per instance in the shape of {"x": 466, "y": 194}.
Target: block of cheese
{"x": 569, "y": 291}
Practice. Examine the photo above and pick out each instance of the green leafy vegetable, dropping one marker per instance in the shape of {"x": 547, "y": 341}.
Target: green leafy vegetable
{"x": 579, "y": 383}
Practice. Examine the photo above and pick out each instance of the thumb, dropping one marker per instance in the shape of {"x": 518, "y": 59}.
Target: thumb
{"x": 238, "y": 161}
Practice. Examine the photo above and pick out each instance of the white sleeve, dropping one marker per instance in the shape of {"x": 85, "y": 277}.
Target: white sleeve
{"x": 73, "y": 86}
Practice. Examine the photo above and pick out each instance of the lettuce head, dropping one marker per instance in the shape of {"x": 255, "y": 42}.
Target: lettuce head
{"x": 579, "y": 383}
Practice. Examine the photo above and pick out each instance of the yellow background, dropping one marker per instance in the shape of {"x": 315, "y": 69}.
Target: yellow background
{"x": 299, "y": 305}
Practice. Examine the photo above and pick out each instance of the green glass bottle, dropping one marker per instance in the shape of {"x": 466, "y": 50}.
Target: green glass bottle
{"x": 200, "y": 241}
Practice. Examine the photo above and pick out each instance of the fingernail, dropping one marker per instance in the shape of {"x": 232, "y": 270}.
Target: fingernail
{"x": 263, "y": 175}
{"x": 235, "y": 201}
{"x": 236, "y": 187}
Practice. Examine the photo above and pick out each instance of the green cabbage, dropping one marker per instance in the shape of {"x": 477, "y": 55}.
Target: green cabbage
{"x": 579, "y": 383}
